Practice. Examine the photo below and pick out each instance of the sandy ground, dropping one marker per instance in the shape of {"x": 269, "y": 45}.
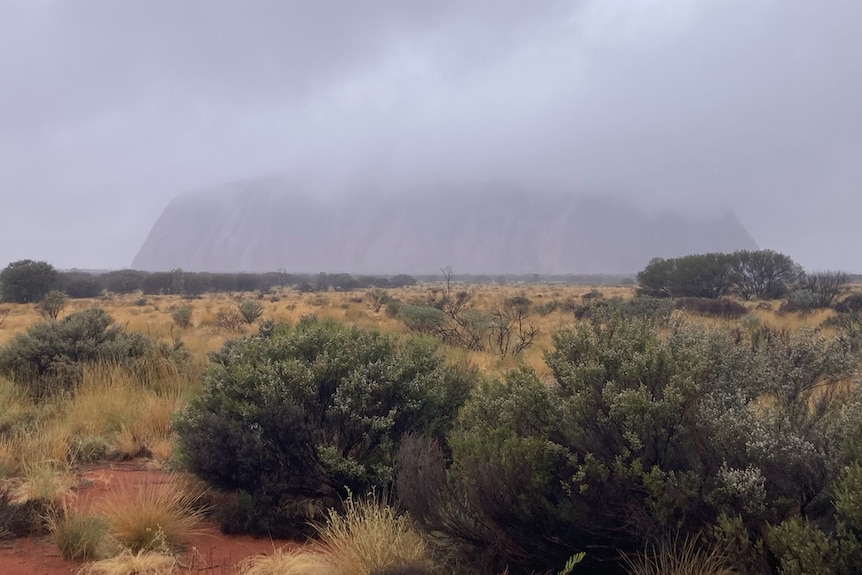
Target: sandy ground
{"x": 208, "y": 552}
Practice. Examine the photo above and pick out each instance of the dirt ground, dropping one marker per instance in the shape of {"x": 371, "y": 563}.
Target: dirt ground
{"x": 208, "y": 551}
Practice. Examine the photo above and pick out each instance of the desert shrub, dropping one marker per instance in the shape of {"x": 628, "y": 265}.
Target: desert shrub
{"x": 52, "y": 304}
{"x": 653, "y": 309}
{"x": 250, "y": 310}
{"x": 509, "y": 328}
{"x": 50, "y": 357}
{"x": 229, "y": 320}
{"x": 545, "y": 309}
{"x": 721, "y": 307}
{"x": 638, "y": 437}
{"x": 592, "y": 295}
{"x": 296, "y": 415}
{"x": 851, "y": 304}
{"x": 182, "y": 316}
{"x": 827, "y": 286}
{"x": 803, "y": 545}
{"x": 800, "y": 300}
{"x": 376, "y": 298}
{"x": 421, "y": 318}
{"x": 393, "y": 307}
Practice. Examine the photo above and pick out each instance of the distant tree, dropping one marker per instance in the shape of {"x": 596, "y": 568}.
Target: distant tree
{"x": 655, "y": 279}
{"x": 77, "y": 284}
{"x": 157, "y": 283}
{"x": 342, "y": 282}
{"x": 247, "y": 282}
{"x": 703, "y": 275}
{"x": 124, "y": 281}
{"x": 26, "y": 281}
{"x": 764, "y": 274}
{"x": 402, "y": 280}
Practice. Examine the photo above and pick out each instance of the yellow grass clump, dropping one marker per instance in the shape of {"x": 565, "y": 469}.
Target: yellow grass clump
{"x": 293, "y": 561}
{"x": 367, "y": 537}
{"x": 154, "y": 516}
{"x": 133, "y": 563}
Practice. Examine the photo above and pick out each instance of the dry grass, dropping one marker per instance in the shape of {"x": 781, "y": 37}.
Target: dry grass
{"x": 369, "y": 536}
{"x": 46, "y": 481}
{"x": 292, "y": 561}
{"x": 80, "y": 537}
{"x": 677, "y": 557}
{"x": 120, "y": 411}
{"x": 155, "y": 516}
{"x": 133, "y": 563}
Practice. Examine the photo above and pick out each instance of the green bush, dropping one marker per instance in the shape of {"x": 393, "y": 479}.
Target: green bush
{"x": 721, "y": 307}
{"x": 50, "y": 357}
{"x": 182, "y": 316}
{"x": 250, "y": 311}
{"x": 653, "y": 309}
{"x": 52, "y": 304}
{"x": 800, "y": 300}
{"x": 421, "y": 318}
{"x": 297, "y": 416}
{"x": 643, "y": 433}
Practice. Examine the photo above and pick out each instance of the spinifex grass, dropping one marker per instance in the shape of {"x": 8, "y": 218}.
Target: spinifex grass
{"x": 679, "y": 557}
{"x": 80, "y": 537}
{"x": 133, "y": 563}
{"x": 154, "y": 516}
{"x": 367, "y": 537}
{"x": 293, "y": 561}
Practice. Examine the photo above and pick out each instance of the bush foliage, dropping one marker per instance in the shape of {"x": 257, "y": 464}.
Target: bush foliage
{"x": 294, "y": 417}
{"x": 639, "y": 437}
{"x": 50, "y": 356}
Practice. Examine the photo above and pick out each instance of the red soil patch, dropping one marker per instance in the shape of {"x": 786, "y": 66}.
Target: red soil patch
{"x": 208, "y": 552}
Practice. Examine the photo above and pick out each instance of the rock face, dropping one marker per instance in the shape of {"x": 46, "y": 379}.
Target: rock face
{"x": 270, "y": 224}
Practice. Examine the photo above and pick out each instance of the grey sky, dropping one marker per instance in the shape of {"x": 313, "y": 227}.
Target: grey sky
{"x": 109, "y": 108}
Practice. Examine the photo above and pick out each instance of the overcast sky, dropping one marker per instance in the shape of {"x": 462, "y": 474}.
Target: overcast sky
{"x": 110, "y": 108}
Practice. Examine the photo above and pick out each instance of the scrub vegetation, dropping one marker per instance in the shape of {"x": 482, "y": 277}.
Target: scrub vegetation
{"x": 448, "y": 427}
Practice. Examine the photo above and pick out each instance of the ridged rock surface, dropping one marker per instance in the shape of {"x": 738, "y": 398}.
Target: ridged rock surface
{"x": 270, "y": 224}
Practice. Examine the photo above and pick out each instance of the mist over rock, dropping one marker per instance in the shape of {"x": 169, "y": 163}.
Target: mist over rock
{"x": 270, "y": 224}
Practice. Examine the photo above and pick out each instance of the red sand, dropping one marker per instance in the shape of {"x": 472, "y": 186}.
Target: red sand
{"x": 208, "y": 552}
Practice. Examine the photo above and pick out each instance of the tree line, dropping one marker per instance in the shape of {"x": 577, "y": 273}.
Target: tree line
{"x": 28, "y": 281}
{"x": 761, "y": 274}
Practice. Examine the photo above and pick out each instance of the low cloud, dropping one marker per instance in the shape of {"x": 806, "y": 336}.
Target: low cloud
{"x": 750, "y": 105}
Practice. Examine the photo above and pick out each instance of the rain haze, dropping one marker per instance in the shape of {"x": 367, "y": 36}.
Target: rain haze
{"x": 110, "y": 109}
